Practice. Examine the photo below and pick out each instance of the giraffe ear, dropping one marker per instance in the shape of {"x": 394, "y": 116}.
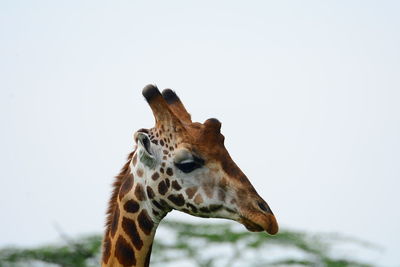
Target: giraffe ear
{"x": 145, "y": 151}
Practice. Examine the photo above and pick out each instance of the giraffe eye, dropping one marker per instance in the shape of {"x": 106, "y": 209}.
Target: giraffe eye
{"x": 189, "y": 165}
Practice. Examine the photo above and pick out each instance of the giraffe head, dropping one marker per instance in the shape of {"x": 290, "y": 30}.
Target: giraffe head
{"x": 189, "y": 169}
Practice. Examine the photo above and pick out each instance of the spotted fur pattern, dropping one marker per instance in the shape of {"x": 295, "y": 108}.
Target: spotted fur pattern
{"x": 151, "y": 184}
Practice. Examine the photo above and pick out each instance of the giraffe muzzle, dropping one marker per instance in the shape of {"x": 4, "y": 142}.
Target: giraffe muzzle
{"x": 259, "y": 218}
{"x": 259, "y": 223}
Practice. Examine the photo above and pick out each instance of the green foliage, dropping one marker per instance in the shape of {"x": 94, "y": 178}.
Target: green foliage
{"x": 81, "y": 252}
{"x": 201, "y": 245}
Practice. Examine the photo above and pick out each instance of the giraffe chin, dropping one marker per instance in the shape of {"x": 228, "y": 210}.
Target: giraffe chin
{"x": 267, "y": 223}
{"x": 251, "y": 226}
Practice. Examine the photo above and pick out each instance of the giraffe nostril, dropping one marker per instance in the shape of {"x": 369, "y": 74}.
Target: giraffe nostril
{"x": 264, "y": 206}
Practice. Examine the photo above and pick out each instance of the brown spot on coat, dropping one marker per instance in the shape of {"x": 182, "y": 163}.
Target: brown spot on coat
{"x": 162, "y": 142}
{"x": 198, "y": 199}
{"x": 170, "y": 172}
{"x": 155, "y": 176}
{"x": 139, "y": 172}
{"x": 191, "y": 191}
{"x": 150, "y": 192}
{"x": 131, "y": 206}
{"x": 130, "y": 229}
{"x": 124, "y": 252}
{"x": 176, "y": 185}
{"x": 139, "y": 192}
{"x": 162, "y": 188}
{"x": 114, "y": 223}
{"x": 145, "y": 222}
{"x": 177, "y": 199}
{"x": 126, "y": 186}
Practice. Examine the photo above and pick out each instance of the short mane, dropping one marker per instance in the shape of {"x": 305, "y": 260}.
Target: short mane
{"x": 116, "y": 186}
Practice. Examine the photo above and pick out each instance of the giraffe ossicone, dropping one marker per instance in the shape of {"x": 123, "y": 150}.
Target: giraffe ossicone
{"x": 182, "y": 165}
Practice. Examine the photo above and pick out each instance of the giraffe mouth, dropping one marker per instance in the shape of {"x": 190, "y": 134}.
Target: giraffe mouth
{"x": 251, "y": 226}
{"x": 260, "y": 223}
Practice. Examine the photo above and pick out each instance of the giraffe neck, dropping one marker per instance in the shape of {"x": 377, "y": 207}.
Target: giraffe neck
{"x": 133, "y": 219}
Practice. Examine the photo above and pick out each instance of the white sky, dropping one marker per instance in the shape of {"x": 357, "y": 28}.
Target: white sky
{"x": 308, "y": 93}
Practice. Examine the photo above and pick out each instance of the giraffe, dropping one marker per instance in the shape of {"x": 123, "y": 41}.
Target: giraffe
{"x": 181, "y": 165}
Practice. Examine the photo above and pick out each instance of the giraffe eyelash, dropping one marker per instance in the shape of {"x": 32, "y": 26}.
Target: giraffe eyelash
{"x": 189, "y": 165}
